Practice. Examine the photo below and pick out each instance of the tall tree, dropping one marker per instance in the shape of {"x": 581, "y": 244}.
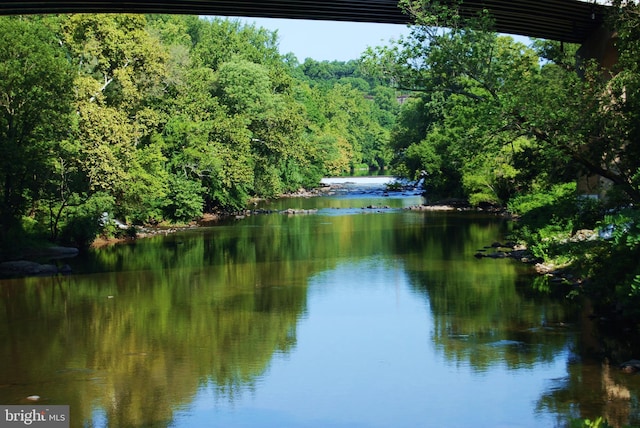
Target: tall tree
{"x": 35, "y": 101}
{"x": 468, "y": 76}
{"x": 219, "y": 41}
{"x": 122, "y": 74}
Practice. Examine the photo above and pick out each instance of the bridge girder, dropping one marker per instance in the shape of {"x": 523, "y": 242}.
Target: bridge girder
{"x": 564, "y": 20}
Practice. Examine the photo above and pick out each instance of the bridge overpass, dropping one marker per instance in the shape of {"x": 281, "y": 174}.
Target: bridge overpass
{"x": 563, "y": 20}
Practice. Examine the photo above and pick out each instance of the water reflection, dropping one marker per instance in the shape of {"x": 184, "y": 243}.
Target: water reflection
{"x": 137, "y": 344}
{"x": 369, "y": 319}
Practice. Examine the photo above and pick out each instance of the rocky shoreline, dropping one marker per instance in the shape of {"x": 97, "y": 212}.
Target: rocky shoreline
{"x": 557, "y": 274}
{"x": 27, "y": 267}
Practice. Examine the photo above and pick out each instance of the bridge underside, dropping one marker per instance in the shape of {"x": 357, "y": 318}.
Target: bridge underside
{"x": 564, "y": 20}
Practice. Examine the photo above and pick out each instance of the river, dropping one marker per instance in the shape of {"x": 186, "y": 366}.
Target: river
{"x": 361, "y": 314}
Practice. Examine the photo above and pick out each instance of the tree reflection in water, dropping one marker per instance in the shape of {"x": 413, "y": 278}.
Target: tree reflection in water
{"x": 141, "y": 329}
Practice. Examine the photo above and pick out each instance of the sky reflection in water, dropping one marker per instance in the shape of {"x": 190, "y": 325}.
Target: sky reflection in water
{"x": 365, "y": 358}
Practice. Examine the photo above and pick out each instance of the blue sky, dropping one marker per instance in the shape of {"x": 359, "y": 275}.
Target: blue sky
{"x": 328, "y": 40}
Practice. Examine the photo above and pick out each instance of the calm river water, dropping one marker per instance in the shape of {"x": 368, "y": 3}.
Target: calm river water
{"x": 348, "y": 317}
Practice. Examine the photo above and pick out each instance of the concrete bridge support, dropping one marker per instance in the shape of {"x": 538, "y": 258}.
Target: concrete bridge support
{"x": 601, "y": 47}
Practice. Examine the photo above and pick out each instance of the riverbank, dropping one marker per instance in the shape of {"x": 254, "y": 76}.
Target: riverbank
{"x": 31, "y": 262}
{"x": 560, "y": 269}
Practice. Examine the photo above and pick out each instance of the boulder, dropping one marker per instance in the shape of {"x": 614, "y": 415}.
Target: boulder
{"x": 631, "y": 366}
{"x": 26, "y": 268}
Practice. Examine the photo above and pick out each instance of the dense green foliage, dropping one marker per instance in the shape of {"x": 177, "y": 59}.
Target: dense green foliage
{"x": 163, "y": 118}
{"x": 474, "y": 127}
{"x": 350, "y": 130}
{"x": 35, "y": 95}
{"x": 491, "y": 119}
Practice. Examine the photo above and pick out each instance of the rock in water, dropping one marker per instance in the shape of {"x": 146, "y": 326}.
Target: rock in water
{"x": 631, "y": 366}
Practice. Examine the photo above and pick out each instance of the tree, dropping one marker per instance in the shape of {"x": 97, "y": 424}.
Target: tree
{"x": 208, "y": 145}
{"x": 35, "y": 102}
{"x": 122, "y": 76}
{"x": 218, "y": 41}
{"x": 119, "y": 60}
{"x": 467, "y": 78}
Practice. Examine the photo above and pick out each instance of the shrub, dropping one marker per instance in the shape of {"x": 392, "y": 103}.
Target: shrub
{"x": 82, "y": 223}
{"x": 186, "y": 199}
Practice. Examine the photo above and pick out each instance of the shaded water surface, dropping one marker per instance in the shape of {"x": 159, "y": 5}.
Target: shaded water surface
{"x": 349, "y": 317}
